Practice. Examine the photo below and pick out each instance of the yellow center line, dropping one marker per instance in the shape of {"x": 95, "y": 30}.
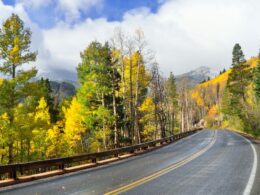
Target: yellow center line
{"x": 163, "y": 171}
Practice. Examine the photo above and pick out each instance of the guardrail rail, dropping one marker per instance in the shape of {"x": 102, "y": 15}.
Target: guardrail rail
{"x": 42, "y": 166}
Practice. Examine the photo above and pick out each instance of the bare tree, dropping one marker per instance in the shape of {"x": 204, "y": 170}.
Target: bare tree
{"x": 159, "y": 96}
{"x": 184, "y": 105}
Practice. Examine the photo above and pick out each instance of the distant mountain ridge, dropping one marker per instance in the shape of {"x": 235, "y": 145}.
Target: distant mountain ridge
{"x": 63, "y": 83}
{"x": 59, "y": 76}
{"x": 62, "y": 90}
{"x": 197, "y": 75}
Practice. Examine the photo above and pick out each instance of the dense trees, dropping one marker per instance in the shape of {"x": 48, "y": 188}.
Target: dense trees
{"x": 26, "y": 107}
{"x": 14, "y": 52}
{"x": 122, "y": 99}
{"x": 238, "y": 87}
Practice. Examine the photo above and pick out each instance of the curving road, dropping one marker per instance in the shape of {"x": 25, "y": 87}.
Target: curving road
{"x": 208, "y": 162}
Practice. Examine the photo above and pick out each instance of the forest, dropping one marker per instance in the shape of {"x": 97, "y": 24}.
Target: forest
{"x": 122, "y": 98}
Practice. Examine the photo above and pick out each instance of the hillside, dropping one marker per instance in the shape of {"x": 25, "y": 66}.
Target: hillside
{"x": 208, "y": 95}
{"x": 222, "y": 78}
{"x": 62, "y": 90}
{"x": 196, "y": 76}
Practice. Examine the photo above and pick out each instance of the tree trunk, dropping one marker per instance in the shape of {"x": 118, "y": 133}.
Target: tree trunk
{"x": 28, "y": 150}
{"x": 10, "y": 145}
{"x": 104, "y": 127}
{"x": 136, "y": 118}
{"x": 124, "y": 92}
{"x": 10, "y": 153}
{"x": 182, "y": 119}
{"x": 172, "y": 123}
{"x": 116, "y": 143}
{"x": 131, "y": 100}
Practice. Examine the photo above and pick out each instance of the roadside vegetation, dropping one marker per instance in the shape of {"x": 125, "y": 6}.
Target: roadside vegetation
{"x": 122, "y": 98}
{"x": 231, "y": 99}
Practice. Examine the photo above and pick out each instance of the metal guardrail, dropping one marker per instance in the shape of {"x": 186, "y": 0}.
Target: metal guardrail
{"x": 60, "y": 163}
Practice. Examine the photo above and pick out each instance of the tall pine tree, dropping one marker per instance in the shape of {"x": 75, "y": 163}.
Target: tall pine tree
{"x": 238, "y": 55}
{"x": 239, "y": 78}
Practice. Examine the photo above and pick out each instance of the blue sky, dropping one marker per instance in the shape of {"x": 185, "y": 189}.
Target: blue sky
{"x": 47, "y": 15}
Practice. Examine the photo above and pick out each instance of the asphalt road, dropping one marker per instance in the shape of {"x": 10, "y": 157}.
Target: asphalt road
{"x": 209, "y": 162}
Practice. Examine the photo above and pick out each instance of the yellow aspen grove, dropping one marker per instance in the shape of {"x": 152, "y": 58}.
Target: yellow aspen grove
{"x": 74, "y": 127}
{"x": 57, "y": 145}
{"x": 137, "y": 80}
{"x": 4, "y": 126}
{"x": 147, "y": 110}
{"x": 42, "y": 123}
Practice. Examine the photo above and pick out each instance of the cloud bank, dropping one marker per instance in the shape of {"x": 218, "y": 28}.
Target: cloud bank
{"x": 184, "y": 34}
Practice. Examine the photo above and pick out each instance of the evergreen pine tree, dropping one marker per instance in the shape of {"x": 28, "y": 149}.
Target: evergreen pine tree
{"x": 238, "y": 79}
{"x": 257, "y": 79}
{"x": 238, "y": 55}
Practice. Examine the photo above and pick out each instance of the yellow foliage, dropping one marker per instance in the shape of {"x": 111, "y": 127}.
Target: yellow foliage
{"x": 147, "y": 109}
{"x": 55, "y": 141}
{"x": 222, "y": 79}
{"x": 204, "y": 91}
{"x": 197, "y": 97}
{"x": 147, "y": 106}
{"x": 251, "y": 100}
{"x": 42, "y": 112}
{"x": 213, "y": 111}
{"x": 74, "y": 127}
{"x": 4, "y": 117}
{"x": 134, "y": 65}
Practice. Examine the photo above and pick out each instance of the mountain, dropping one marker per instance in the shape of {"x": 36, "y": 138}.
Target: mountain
{"x": 62, "y": 90}
{"x": 59, "y": 76}
{"x": 197, "y": 75}
{"x": 63, "y": 82}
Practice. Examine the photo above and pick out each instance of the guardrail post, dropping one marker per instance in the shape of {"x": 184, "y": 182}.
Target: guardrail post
{"x": 13, "y": 174}
{"x": 144, "y": 148}
{"x": 94, "y": 160}
{"x": 61, "y": 166}
{"x": 132, "y": 151}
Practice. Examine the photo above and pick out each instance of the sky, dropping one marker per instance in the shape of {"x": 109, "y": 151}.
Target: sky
{"x": 184, "y": 34}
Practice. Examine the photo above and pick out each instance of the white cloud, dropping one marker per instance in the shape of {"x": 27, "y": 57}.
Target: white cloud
{"x": 37, "y": 35}
{"x": 34, "y": 4}
{"x": 65, "y": 42}
{"x": 72, "y": 8}
{"x": 185, "y": 34}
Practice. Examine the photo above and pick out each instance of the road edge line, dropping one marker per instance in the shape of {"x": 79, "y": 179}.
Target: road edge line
{"x": 252, "y": 176}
